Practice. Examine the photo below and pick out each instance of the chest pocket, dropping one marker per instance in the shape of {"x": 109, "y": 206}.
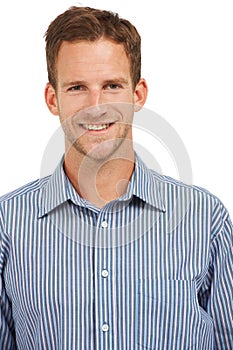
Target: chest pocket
{"x": 168, "y": 315}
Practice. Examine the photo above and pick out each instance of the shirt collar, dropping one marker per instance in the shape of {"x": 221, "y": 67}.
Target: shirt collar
{"x": 144, "y": 184}
{"x": 58, "y": 189}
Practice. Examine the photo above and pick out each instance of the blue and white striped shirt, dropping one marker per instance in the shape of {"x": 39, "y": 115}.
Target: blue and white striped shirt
{"x": 150, "y": 270}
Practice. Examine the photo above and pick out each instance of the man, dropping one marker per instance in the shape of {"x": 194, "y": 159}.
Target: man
{"x": 105, "y": 253}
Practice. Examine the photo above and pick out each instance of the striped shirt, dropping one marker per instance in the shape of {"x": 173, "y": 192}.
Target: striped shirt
{"x": 150, "y": 270}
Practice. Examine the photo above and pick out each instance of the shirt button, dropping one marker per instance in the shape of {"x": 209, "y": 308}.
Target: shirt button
{"x": 105, "y": 327}
{"x": 104, "y": 224}
{"x": 104, "y": 273}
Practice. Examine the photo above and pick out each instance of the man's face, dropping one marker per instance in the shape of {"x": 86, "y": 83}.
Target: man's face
{"x": 95, "y": 98}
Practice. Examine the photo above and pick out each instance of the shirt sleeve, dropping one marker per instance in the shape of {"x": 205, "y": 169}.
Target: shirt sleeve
{"x": 217, "y": 291}
{"x": 7, "y": 333}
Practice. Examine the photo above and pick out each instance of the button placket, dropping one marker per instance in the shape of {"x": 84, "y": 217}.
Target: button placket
{"x": 102, "y": 278}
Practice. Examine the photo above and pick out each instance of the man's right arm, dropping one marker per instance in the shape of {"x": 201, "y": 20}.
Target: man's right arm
{"x": 7, "y": 333}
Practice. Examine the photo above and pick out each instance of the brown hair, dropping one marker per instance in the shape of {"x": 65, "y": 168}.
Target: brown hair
{"x": 85, "y": 23}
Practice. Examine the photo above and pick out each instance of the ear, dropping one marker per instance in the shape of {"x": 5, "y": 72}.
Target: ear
{"x": 140, "y": 94}
{"x": 51, "y": 99}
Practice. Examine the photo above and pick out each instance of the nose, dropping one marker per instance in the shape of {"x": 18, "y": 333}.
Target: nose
{"x": 96, "y": 108}
{"x": 95, "y": 98}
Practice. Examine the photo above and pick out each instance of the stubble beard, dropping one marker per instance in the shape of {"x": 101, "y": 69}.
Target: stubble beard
{"x": 103, "y": 149}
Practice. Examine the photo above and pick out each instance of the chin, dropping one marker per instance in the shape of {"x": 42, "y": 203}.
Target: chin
{"x": 101, "y": 155}
{"x": 103, "y": 151}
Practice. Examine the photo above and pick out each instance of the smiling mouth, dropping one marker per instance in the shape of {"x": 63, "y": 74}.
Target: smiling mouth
{"x": 96, "y": 127}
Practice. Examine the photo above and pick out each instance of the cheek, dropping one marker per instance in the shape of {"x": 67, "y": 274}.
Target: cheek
{"x": 126, "y": 110}
{"x": 69, "y": 105}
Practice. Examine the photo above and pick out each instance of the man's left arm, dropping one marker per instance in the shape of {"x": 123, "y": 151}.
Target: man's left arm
{"x": 220, "y": 303}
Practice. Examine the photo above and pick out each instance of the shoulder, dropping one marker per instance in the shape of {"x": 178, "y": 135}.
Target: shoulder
{"x": 199, "y": 204}
{"x": 167, "y": 181}
{"x": 28, "y": 190}
{"x": 197, "y": 195}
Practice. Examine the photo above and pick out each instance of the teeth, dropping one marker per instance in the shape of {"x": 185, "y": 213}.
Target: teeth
{"x": 95, "y": 127}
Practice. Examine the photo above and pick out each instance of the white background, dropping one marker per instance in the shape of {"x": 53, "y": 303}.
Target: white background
{"x": 188, "y": 63}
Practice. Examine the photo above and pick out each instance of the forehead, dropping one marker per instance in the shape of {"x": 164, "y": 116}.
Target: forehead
{"x": 100, "y": 52}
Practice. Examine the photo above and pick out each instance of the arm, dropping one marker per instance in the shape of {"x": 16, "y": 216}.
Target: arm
{"x": 216, "y": 295}
{"x": 7, "y": 335}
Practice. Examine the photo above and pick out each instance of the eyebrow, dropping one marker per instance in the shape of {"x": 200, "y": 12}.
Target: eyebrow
{"x": 116, "y": 81}
{"x": 71, "y": 83}
{"x": 105, "y": 82}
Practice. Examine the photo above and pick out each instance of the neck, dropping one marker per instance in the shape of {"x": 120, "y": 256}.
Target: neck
{"x": 100, "y": 182}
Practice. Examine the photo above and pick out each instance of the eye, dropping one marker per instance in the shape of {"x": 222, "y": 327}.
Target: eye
{"x": 112, "y": 86}
{"x": 76, "y": 88}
